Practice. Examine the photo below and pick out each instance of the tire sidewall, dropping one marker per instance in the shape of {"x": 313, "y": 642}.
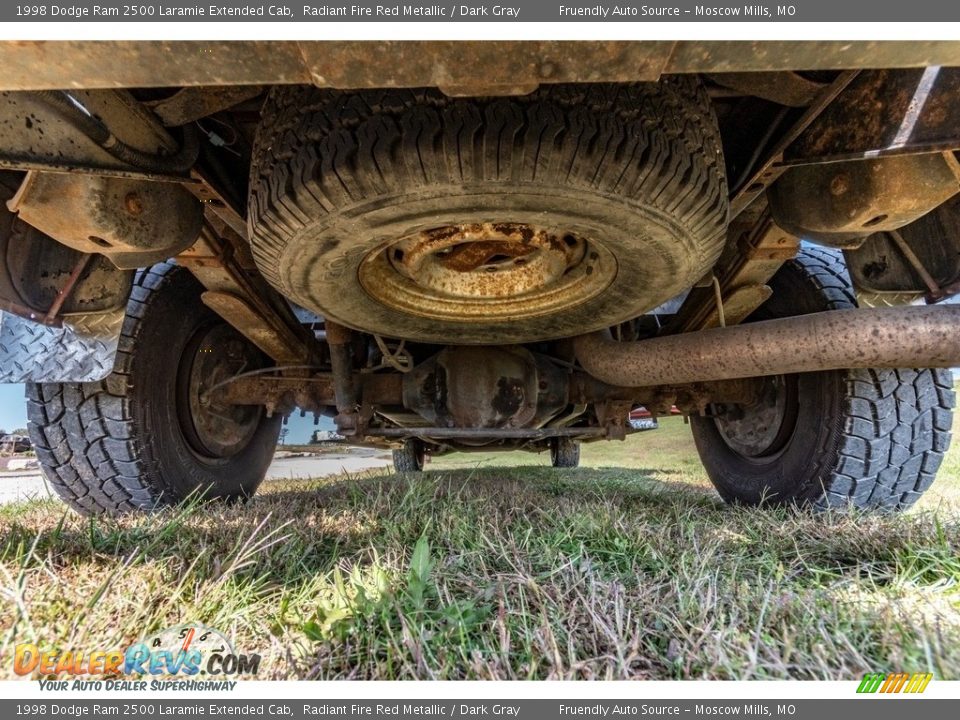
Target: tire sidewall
{"x": 174, "y": 316}
{"x": 636, "y": 167}
{"x": 564, "y": 453}
{"x": 652, "y": 250}
{"x": 801, "y": 471}
{"x": 410, "y": 458}
{"x": 785, "y": 476}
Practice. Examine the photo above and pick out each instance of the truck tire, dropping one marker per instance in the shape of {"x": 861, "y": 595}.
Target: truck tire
{"x": 866, "y": 439}
{"x": 564, "y": 452}
{"x": 144, "y": 437}
{"x": 410, "y": 457}
{"x": 410, "y": 214}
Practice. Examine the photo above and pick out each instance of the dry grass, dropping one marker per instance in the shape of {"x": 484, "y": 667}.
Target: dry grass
{"x": 631, "y": 569}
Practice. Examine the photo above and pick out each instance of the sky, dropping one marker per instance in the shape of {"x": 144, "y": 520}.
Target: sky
{"x": 13, "y": 408}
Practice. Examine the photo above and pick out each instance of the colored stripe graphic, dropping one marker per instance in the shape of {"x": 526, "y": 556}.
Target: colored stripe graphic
{"x": 894, "y": 683}
{"x": 918, "y": 683}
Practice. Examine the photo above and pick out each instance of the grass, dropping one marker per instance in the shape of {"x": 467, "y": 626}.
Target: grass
{"x": 630, "y": 569}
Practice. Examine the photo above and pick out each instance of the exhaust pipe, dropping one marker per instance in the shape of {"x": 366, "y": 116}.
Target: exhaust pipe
{"x": 897, "y": 337}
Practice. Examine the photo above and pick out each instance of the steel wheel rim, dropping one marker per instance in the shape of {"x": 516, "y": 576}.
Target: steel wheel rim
{"x": 761, "y": 432}
{"x": 213, "y": 429}
{"x": 487, "y": 272}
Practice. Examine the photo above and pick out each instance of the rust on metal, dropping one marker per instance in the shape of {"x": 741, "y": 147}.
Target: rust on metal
{"x": 14, "y": 308}
{"x": 33, "y": 136}
{"x": 864, "y": 338}
{"x": 737, "y": 305}
{"x": 947, "y": 291}
{"x": 488, "y": 386}
{"x": 193, "y": 103}
{"x": 486, "y": 260}
{"x": 481, "y": 68}
{"x": 281, "y": 393}
{"x": 346, "y": 389}
{"x": 220, "y": 267}
{"x": 67, "y": 288}
{"x": 38, "y": 65}
{"x": 784, "y": 88}
{"x": 469, "y": 257}
{"x": 216, "y": 203}
{"x": 743, "y": 275}
{"x": 254, "y": 326}
{"x": 885, "y": 112}
{"x": 935, "y": 291}
{"x": 135, "y": 223}
{"x": 487, "y": 272}
{"x": 771, "y": 168}
{"x": 505, "y": 66}
{"x": 841, "y": 203}
{"x": 441, "y": 433}
{"x": 721, "y": 56}
{"x": 881, "y": 273}
{"x": 314, "y": 392}
{"x": 337, "y": 334}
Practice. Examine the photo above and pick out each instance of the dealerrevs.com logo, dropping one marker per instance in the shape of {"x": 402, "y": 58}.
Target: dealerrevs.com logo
{"x": 189, "y": 650}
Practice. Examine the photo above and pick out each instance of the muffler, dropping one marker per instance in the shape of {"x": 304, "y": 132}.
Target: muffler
{"x": 897, "y": 337}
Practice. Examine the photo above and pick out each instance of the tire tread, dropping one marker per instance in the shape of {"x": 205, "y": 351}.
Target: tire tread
{"x": 896, "y": 424}
{"x": 319, "y": 150}
{"x": 83, "y": 432}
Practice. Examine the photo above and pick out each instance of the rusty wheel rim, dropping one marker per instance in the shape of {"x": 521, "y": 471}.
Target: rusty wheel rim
{"x": 487, "y": 272}
{"x": 761, "y": 432}
{"x": 214, "y": 429}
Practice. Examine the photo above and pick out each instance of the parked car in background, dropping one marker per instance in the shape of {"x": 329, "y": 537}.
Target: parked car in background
{"x": 13, "y": 444}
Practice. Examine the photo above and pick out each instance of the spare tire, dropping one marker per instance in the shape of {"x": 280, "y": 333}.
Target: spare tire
{"x": 410, "y": 214}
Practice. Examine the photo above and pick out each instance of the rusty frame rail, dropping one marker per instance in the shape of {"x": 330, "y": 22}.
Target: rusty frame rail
{"x": 504, "y": 66}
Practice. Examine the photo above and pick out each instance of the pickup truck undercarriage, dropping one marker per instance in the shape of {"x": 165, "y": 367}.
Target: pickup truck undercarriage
{"x": 471, "y": 246}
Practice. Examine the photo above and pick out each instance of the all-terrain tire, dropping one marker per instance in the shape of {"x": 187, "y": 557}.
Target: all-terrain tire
{"x": 867, "y": 439}
{"x": 409, "y": 458}
{"x": 337, "y": 176}
{"x": 564, "y": 452}
{"x": 117, "y": 445}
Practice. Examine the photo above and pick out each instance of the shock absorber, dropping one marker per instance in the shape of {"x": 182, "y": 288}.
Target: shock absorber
{"x": 339, "y": 340}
